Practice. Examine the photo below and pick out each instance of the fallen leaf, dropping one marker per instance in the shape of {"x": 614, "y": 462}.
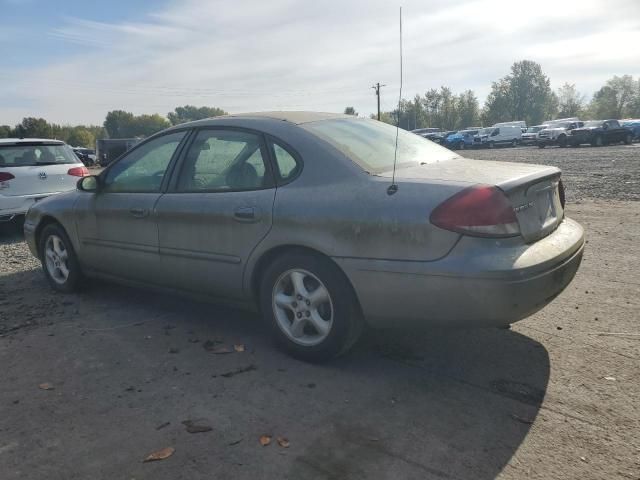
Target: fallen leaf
{"x": 239, "y": 347}
{"x": 283, "y": 442}
{"x": 160, "y": 454}
{"x": 265, "y": 440}
{"x": 194, "y": 428}
{"x": 45, "y": 386}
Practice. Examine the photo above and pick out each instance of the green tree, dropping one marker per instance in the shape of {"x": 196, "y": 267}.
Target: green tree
{"x": 81, "y": 137}
{"x": 5, "y": 131}
{"x": 32, "y": 127}
{"x": 189, "y": 113}
{"x": 468, "y": 110}
{"x": 118, "y": 124}
{"x": 618, "y": 98}
{"x": 524, "y": 94}
{"x": 570, "y": 101}
{"x": 350, "y": 111}
{"x": 145, "y": 125}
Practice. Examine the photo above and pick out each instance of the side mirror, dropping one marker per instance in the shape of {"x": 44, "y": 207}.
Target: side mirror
{"x": 89, "y": 184}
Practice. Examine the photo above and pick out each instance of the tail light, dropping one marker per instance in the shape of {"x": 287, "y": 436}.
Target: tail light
{"x": 78, "y": 172}
{"x": 481, "y": 210}
{"x": 6, "y": 176}
{"x": 561, "y": 192}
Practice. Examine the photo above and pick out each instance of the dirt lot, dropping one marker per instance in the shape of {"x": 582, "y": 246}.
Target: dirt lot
{"x": 556, "y": 397}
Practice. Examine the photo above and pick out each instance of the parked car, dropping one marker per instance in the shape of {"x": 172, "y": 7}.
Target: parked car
{"x": 530, "y": 136}
{"x": 108, "y": 149}
{"x": 298, "y": 214}
{"x": 518, "y": 123}
{"x": 498, "y": 136}
{"x": 460, "y": 140}
{"x": 423, "y": 131}
{"x": 633, "y": 125}
{"x": 600, "y": 132}
{"x": 32, "y": 169}
{"x": 86, "y": 155}
{"x": 557, "y": 133}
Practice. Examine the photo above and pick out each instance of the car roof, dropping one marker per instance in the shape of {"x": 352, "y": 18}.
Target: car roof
{"x": 293, "y": 117}
{"x": 18, "y": 141}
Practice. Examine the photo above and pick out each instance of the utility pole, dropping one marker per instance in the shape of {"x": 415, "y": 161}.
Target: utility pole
{"x": 376, "y": 87}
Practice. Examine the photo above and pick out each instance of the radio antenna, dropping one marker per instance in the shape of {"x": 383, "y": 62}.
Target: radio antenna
{"x": 393, "y": 188}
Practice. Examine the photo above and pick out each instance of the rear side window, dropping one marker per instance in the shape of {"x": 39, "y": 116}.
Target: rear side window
{"x": 288, "y": 166}
{"x": 26, "y": 155}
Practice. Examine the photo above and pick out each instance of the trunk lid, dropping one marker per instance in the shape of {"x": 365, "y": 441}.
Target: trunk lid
{"x": 533, "y": 190}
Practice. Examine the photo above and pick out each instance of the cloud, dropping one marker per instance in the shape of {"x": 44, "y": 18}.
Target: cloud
{"x": 285, "y": 54}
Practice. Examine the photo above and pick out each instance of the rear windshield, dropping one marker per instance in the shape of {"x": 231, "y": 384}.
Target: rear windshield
{"x": 371, "y": 144}
{"x": 26, "y": 155}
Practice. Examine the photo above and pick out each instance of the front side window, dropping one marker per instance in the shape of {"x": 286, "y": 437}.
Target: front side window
{"x": 143, "y": 169}
{"x": 224, "y": 160}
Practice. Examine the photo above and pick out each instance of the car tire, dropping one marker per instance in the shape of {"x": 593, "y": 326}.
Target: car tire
{"x": 541, "y": 145}
{"x": 597, "y": 142}
{"x": 461, "y": 146}
{"x": 310, "y": 306}
{"x": 628, "y": 140}
{"x": 59, "y": 260}
{"x": 514, "y": 143}
{"x": 492, "y": 145}
{"x": 562, "y": 141}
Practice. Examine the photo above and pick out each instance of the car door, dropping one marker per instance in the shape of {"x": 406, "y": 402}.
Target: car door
{"x": 117, "y": 224}
{"x": 218, "y": 208}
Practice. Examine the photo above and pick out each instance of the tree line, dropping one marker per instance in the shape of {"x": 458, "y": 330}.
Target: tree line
{"x": 117, "y": 124}
{"x": 525, "y": 93}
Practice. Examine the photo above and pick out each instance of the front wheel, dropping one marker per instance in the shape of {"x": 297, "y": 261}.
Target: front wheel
{"x": 461, "y": 146}
{"x": 562, "y": 141}
{"x": 597, "y": 142}
{"x": 628, "y": 139}
{"x": 310, "y": 306}
{"x": 541, "y": 145}
{"x": 492, "y": 145}
{"x": 59, "y": 260}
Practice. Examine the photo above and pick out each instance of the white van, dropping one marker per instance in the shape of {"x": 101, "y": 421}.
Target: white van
{"x": 517, "y": 123}
{"x": 498, "y": 136}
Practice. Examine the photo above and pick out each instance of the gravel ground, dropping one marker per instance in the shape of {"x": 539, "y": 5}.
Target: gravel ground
{"x": 607, "y": 172}
{"x": 93, "y": 382}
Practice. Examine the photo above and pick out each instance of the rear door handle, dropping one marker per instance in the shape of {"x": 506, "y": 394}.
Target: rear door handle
{"x": 245, "y": 214}
{"x": 139, "y": 212}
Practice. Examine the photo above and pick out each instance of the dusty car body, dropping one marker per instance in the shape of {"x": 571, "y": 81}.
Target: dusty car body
{"x": 455, "y": 242}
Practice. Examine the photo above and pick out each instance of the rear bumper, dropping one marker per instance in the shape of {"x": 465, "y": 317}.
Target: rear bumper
{"x": 468, "y": 288}
{"x": 10, "y": 206}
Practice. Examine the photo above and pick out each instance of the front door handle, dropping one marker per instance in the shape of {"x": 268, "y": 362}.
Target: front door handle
{"x": 245, "y": 214}
{"x": 139, "y": 212}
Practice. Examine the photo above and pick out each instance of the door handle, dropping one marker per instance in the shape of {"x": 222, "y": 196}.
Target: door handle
{"x": 245, "y": 214}
{"x": 139, "y": 212}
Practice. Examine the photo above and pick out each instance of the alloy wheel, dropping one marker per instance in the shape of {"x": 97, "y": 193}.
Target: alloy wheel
{"x": 56, "y": 259}
{"x": 302, "y": 307}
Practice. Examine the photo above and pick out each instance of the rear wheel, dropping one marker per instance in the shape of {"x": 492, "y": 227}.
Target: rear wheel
{"x": 492, "y": 145}
{"x": 541, "y": 145}
{"x": 461, "y": 146}
{"x": 514, "y": 143}
{"x": 59, "y": 260}
{"x": 310, "y": 307}
{"x": 597, "y": 142}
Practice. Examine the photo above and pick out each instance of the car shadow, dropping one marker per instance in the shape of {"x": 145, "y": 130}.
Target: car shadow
{"x": 11, "y": 231}
{"x": 403, "y": 404}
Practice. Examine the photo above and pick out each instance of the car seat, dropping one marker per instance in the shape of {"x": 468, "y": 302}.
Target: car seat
{"x": 243, "y": 176}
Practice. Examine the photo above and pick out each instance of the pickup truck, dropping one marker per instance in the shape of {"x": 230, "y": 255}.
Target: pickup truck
{"x": 600, "y": 132}
{"x": 557, "y": 133}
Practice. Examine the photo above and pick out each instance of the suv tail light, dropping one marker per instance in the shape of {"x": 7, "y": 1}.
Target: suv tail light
{"x": 78, "y": 172}
{"x": 561, "y": 193}
{"x": 481, "y": 210}
{"x": 6, "y": 176}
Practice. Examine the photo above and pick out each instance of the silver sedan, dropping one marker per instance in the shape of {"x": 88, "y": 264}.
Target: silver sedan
{"x": 301, "y": 216}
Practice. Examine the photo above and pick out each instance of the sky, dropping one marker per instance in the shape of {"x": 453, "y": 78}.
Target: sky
{"x": 72, "y": 61}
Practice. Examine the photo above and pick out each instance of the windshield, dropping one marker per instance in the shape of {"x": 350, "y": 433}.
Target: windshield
{"x": 535, "y": 129}
{"x": 371, "y": 144}
{"x": 25, "y": 155}
{"x": 593, "y": 123}
{"x": 487, "y": 131}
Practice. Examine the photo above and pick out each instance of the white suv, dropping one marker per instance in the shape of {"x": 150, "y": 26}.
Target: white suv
{"x": 32, "y": 169}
